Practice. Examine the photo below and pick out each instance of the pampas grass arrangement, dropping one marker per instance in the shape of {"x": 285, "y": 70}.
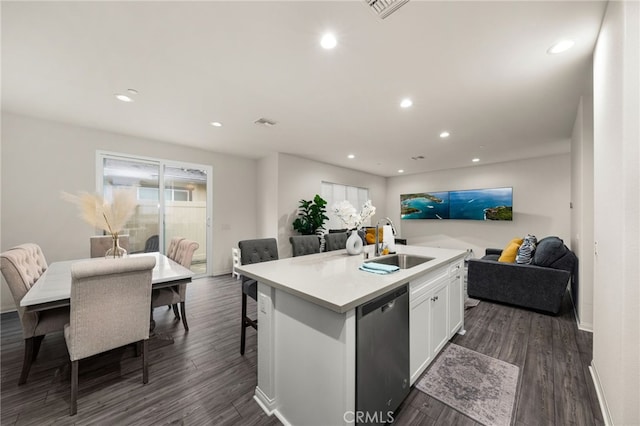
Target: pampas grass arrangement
{"x": 110, "y": 217}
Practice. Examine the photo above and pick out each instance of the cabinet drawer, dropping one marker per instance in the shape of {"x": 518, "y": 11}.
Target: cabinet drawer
{"x": 455, "y": 269}
{"x": 422, "y": 285}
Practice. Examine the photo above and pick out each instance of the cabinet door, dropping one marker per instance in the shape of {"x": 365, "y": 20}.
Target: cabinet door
{"x": 439, "y": 330}
{"x": 456, "y": 300}
{"x": 419, "y": 350}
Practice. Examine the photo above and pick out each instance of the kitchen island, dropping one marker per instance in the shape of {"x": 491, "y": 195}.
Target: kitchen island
{"x": 307, "y": 326}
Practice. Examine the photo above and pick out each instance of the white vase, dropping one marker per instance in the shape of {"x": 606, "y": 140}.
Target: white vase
{"x": 354, "y": 243}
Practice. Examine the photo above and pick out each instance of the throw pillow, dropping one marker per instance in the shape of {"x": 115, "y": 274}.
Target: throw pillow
{"x": 371, "y": 235}
{"x": 526, "y": 250}
{"x": 511, "y": 251}
{"x": 549, "y": 250}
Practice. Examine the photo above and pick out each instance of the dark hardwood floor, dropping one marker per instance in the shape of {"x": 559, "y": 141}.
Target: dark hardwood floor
{"x": 201, "y": 379}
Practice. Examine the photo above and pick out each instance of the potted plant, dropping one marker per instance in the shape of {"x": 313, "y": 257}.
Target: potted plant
{"x": 311, "y": 216}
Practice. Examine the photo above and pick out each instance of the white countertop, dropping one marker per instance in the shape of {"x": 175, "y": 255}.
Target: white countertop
{"x": 333, "y": 280}
{"x": 55, "y": 284}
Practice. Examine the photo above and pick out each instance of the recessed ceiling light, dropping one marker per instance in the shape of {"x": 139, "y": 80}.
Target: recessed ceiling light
{"x": 351, "y": 156}
{"x": 216, "y": 124}
{"x": 123, "y": 98}
{"x": 561, "y": 46}
{"x": 445, "y": 134}
{"x": 328, "y": 41}
{"x": 401, "y": 171}
{"x": 475, "y": 160}
{"x": 406, "y": 103}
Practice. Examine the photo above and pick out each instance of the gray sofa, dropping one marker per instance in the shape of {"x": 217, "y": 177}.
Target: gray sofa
{"x": 539, "y": 286}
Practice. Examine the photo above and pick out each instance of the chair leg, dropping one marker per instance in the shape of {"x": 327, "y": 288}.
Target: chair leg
{"x": 184, "y": 316}
{"x": 145, "y": 361}
{"x": 73, "y": 409}
{"x": 243, "y": 331}
{"x": 36, "y": 346}
{"x": 175, "y": 311}
{"x": 27, "y": 360}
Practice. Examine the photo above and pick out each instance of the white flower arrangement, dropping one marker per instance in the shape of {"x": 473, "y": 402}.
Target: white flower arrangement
{"x": 345, "y": 211}
{"x": 111, "y": 217}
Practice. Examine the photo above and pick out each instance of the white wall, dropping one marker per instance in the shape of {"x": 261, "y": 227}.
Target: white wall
{"x": 299, "y": 178}
{"x": 616, "y": 336}
{"x": 267, "y": 184}
{"x": 42, "y": 158}
{"x": 541, "y": 193}
{"x": 582, "y": 211}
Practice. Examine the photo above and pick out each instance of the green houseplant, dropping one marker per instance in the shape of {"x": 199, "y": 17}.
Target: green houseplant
{"x": 311, "y": 216}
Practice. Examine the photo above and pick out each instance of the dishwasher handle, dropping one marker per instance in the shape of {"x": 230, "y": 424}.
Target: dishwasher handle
{"x": 386, "y": 301}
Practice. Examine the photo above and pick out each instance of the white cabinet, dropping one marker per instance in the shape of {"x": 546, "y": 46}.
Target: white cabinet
{"x": 428, "y": 326}
{"x": 436, "y": 304}
{"x": 456, "y": 297}
{"x": 438, "y": 323}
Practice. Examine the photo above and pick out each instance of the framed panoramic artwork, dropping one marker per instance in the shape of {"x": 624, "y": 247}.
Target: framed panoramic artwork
{"x": 473, "y": 204}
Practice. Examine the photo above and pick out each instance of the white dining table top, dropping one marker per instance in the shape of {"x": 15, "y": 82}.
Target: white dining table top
{"x": 55, "y": 284}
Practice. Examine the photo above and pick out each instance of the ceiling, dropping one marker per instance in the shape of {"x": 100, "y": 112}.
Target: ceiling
{"x": 479, "y": 70}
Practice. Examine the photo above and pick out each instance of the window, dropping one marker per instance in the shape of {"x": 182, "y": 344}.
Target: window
{"x": 334, "y": 193}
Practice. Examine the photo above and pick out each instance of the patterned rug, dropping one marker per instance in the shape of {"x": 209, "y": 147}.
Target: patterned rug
{"x": 474, "y": 384}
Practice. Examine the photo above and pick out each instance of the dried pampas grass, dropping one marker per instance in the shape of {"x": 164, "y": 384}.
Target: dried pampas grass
{"x": 113, "y": 217}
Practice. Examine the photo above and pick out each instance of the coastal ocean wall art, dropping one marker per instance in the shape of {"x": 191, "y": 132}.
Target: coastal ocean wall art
{"x": 474, "y": 204}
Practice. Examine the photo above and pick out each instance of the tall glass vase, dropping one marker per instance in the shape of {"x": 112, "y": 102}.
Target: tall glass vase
{"x": 115, "y": 251}
{"x": 354, "y": 243}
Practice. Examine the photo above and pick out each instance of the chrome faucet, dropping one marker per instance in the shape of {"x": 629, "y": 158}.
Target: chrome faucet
{"x": 393, "y": 229}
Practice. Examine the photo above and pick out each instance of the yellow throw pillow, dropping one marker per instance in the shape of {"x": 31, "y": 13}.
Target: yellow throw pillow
{"x": 370, "y": 236}
{"x": 511, "y": 251}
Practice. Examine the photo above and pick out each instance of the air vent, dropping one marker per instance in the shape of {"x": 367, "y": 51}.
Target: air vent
{"x": 265, "y": 122}
{"x": 384, "y": 8}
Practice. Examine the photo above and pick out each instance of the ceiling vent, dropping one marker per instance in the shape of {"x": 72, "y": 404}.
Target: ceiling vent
{"x": 384, "y": 8}
{"x": 265, "y": 122}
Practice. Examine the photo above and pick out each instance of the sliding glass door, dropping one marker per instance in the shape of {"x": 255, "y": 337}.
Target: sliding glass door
{"x": 173, "y": 200}
{"x": 185, "y": 212}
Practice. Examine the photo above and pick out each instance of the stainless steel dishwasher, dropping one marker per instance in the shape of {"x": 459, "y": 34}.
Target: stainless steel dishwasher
{"x": 382, "y": 356}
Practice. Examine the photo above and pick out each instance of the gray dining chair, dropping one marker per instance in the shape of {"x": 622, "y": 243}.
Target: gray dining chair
{"x": 172, "y": 296}
{"x": 21, "y": 267}
{"x": 335, "y": 241}
{"x": 253, "y": 251}
{"x": 110, "y": 301}
{"x": 302, "y": 245}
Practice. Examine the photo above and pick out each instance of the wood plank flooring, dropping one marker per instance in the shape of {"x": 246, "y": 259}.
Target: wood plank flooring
{"x": 201, "y": 379}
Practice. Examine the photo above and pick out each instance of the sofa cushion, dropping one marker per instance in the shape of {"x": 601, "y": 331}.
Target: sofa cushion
{"x": 527, "y": 249}
{"x": 510, "y": 251}
{"x": 549, "y": 251}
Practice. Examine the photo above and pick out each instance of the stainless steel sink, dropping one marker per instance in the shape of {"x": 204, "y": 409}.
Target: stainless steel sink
{"x": 403, "y": 261}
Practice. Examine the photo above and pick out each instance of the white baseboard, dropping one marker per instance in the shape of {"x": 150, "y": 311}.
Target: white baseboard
{"x": 604, "y": 408}
{"x": 581, "y": 325}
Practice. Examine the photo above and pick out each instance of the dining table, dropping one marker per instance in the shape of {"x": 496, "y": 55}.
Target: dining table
{"x": 53, "y": 288}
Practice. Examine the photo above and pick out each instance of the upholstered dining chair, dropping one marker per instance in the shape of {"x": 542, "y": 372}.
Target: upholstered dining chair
{"x": 253, "y": 251}
{"x": 21, "y": 267}
{"x": 152, "y": 244}
{"x": 335, "y": 241}
{"x": 302, "y": 245}
{"x": 110, "y": 301}
{"x": 171, "y": 296}
{"x": 173, "y": 247}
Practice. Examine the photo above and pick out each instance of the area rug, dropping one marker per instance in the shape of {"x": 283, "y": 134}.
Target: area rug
{"x": 478, "y": 386}
{"x": 471, "y": 303}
